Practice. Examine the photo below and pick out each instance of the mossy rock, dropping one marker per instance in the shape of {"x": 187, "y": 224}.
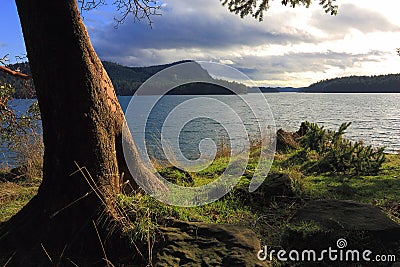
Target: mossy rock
{"x": 275, "y": 185}
{"x": 321, "y": 223}
{"x": 204, "y": 244}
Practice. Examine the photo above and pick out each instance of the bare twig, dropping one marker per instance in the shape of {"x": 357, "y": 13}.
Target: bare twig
{"x": 140, "y": 9}
{"x": 4, "y": 60}
{"x": 69, "y": 205}
{"x": 73, "y": 263}
{"x": 108, "y": 199}
{"x": 21, "y": 58}
{"x": 89, "y": 179}
{"x": 62, "y": 255}
{"x": 47, "y": 254}
{"x": 101, "y": 244}
{"x": 9, "y": 259}
{"x": 86, "y": 5}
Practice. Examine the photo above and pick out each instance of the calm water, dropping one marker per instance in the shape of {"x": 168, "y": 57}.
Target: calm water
{"x": 375, "y": 117}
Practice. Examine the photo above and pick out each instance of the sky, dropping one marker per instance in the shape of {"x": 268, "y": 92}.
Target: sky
{"x": 291, "y": 47}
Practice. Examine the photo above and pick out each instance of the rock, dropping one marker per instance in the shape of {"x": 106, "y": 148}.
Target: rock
{"x": 204, "y": 244}
{"x": 347, "y": 215}
{"x": 319, "y": 224}
{"x": 14, "y": 175}
{"x": 275, "y": 185}
{"x": 285, "y": 141}
{"x": 278, "y": 184}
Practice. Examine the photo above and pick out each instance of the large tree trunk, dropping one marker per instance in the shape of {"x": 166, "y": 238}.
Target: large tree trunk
{"x": 82, "y": 124}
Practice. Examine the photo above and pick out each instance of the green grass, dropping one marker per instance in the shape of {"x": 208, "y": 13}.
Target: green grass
{"x": 378, "y": 189}
{"x": 268, "y": 218}
{"x": 14, "y": 196}
{"x": 266, "y": 215}
{"x": 232, "y": 209}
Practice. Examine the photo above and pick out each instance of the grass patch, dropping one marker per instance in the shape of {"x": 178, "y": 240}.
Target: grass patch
{"x": 268, "y": 214}
{"x": 13, "y": 197}
{"x": 147, "y": 213}
{"x": 377, "y": 189}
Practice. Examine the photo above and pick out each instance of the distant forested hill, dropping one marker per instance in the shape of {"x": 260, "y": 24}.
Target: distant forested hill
{"x": 126, "y": 80}
{"x": 389, "y": 83}
{"x": 274, "y": 90}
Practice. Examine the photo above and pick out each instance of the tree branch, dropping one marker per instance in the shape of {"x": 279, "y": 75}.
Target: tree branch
{"x": 139, "y": 9}
{"x": 256, "y": 8}
{"x": 15, "y": 73}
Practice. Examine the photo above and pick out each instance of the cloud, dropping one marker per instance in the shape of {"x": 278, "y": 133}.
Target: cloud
{"x": 289, "y": 47}
{"x": 226, "y": 61}
{"x": 209, "y": 26}
{"x": 292, "y": 66}
{"x": 352, "y": 17}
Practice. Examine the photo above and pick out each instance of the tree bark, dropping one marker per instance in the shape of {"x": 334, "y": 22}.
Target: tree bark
{"x": 82, "y": 124}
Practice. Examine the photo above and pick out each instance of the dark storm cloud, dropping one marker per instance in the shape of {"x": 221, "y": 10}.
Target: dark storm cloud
{"x": 210, "y": 26}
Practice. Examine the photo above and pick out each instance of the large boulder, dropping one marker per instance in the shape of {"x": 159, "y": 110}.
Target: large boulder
{"x": 321, "y": 223}
{"x": 204, "y": 244}
{"x": 347, "y": 215}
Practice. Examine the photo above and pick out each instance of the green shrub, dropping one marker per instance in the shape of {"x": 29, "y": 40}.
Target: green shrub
{"x": 339, "y": 155}
{"x": 21, "y": 134}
